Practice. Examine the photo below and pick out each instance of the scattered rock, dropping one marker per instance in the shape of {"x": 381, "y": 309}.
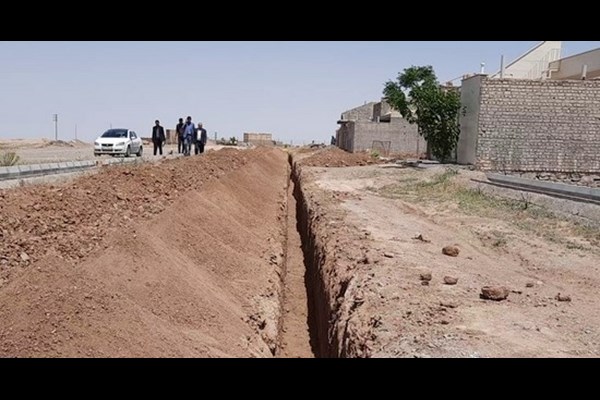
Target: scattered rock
{"x": 422, "y": 239}
{"x": 562, "y": 297}
{"x": 425, "y": 283}
{"x": 365, "y": 260}
{"x": 388, "y": 255}
{"x": 529, "y": 284}
{"x": 25, "y": 256}
{"x": 451, "y": 251}
{"x": 450, "y": 280}
{"x": 444, "y": 322}
{"x": 426, "y": 276}
{"x": 496, "y": 293}
{"x": 449, "y": 304}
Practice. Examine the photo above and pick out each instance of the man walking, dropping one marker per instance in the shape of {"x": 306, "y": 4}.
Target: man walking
{"x": 188, "y": 135}
{"x": 158, "y": 137}
{"x": 179, "y": 130}
{"x": 201, "y": 140}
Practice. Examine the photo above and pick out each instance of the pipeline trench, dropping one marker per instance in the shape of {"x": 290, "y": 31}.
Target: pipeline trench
{"x": 186, "y": 258}
{"x": 252, "y": 253}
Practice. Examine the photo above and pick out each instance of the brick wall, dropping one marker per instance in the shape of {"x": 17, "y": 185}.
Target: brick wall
{"x": 528, "y": 125}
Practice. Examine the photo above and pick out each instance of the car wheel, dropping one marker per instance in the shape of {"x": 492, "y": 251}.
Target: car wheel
{"x": 139, "y": 153}
{"x": 128, "y": 151}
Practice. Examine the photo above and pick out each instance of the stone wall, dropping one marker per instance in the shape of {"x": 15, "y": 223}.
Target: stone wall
{"x": 526, "y": 125}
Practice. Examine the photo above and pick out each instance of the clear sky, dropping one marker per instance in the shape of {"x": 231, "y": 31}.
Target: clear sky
{"x": 294, "y": 90}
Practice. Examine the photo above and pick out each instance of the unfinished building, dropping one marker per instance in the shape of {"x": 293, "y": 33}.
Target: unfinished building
{"x": 376, "y": 126}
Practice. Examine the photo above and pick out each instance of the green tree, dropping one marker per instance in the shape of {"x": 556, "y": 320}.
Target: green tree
{"x": 417, "y": 95}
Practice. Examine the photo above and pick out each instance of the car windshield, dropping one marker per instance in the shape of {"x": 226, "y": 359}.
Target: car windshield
{"x": 115, "y": 133}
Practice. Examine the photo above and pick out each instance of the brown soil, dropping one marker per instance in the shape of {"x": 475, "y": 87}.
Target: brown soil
{"x": 70, "y": 219}
{"x": 336, "y": 157}
{"x": 295, "y": 333}
{"x": 372, "y": 305}
{"x": 146, "y": 261}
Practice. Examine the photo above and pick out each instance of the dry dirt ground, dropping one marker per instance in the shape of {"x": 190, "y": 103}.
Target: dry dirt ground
{"x": 206, "y": 257}
{"x": 384, "y": 226}
{"x": 179, "y": 258}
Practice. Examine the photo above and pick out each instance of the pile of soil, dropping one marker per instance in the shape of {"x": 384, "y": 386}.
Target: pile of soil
{"x": 60, "y": 143}
{"x": 336, "y": 157}
{"x": 69, "y": 220}
{"x": 103, "y": 276}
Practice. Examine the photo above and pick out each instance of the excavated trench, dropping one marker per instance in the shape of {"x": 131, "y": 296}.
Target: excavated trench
{"x": 305, "y": 332}
{"x": 192, "y": 283}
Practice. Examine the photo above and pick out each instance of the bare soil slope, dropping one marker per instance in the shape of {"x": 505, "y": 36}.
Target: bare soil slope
{"x": 147, "y": 261}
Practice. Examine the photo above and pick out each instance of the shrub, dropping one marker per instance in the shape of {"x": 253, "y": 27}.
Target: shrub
{"x": 8, "y": 158}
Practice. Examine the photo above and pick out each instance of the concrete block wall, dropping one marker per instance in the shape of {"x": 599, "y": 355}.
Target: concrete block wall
{"x": 403, "y": 137}
{"x": 345, "y": 136}
{"x": 526, "y": 125}
{"x": 360, "y": 113}
{"x": 360, "y": 135}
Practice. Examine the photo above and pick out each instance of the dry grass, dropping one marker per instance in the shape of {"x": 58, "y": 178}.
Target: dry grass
{"x": 8, "y": 159}
{"x": 444, "y": 192}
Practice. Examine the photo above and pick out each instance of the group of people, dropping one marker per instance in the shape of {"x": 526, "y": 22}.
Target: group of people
{"x": 187, "y": 134}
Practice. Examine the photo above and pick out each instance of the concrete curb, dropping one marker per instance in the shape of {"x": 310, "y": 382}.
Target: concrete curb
{"x": 551, "y": 188}
{"x": 34, "y": 170}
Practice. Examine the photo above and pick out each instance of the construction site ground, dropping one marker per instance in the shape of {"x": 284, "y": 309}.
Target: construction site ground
{"x": 265, "y": 252}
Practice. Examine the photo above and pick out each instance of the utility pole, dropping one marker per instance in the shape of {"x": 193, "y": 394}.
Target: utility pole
{"x": 215, "y": 137}
{"x": 55, "y": 118}
{"x": 75, "y": 131}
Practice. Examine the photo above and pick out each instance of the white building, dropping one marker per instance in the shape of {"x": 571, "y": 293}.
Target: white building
{"x": 534, "y": 64}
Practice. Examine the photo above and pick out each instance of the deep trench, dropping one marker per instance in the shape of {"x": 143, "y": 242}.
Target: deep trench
{"x": 318, "y": 308}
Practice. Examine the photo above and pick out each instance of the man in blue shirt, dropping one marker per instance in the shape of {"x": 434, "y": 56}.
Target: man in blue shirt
{"x": 188, "y": 134}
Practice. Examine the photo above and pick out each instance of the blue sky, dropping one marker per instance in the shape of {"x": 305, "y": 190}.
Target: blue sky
{"x": 294, "y": 90}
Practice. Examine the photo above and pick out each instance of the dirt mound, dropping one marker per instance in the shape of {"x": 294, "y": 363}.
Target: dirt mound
{"x": 336, "y": 157}
{"x": 106, "y": 277}
{"x": 71, "y": 219}
{"x": 79, "y": 143}
{"x": 60, "y": 143}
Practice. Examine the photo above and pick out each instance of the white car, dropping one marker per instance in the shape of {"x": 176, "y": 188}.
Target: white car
{"x": 118, "y": 142}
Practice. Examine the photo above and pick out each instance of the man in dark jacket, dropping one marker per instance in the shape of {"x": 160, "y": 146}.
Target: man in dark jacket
{"x": 179, "y": 130}
{"x": 158, "y": 137}
{"x": 201, "y": 140}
